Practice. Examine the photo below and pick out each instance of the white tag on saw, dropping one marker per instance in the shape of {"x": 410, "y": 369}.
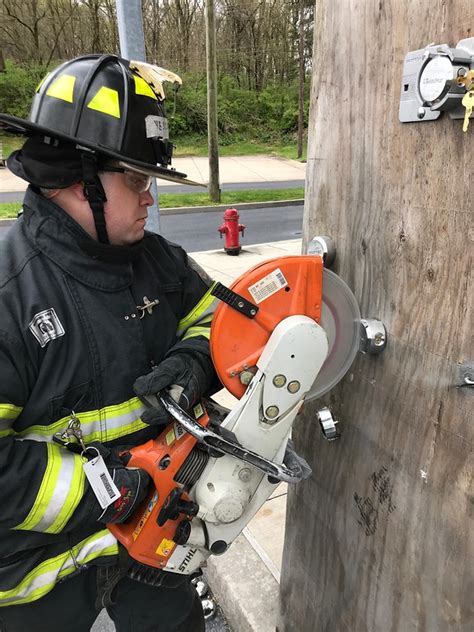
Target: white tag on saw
{"x": 101, "y": 482}
{"x": 267, "y": 286}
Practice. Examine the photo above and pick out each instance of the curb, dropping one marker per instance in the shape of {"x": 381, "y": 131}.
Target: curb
{"x": 244, "y": 587}
{"x": 182, "y": 210}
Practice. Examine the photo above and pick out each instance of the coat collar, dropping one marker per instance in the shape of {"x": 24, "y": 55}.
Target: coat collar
{"x": 59, "y": 237}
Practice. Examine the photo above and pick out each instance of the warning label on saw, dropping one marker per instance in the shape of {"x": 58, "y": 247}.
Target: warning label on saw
{"x": 268, "y": 285}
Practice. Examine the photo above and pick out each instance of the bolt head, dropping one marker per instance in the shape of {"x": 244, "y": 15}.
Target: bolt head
{"x": 294, "y": 386}
{"x": 421, "y": 113}
{"x": 272, "y": 412}
{"x": 245, "y": 474}
{"x": 279, "y": 380}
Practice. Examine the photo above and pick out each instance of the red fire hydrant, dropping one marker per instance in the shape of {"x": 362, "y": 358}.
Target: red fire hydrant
{"x": 231, "y": 228}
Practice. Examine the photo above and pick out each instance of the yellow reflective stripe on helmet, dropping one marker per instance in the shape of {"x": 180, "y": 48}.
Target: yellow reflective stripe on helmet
{"x": 9, "y": 411}
{"x": 59, "y": 494}
{"x": 192, "y": 332}
{"x": 62, "y": 88}
{"x": 44, "y": 577}
{"x": 106, "y": 100}
{"x": 202, "y": 310}
{"x": 42, "y": 81}
{"x": 144, "y": 88}
{"x": 103, "y": 424}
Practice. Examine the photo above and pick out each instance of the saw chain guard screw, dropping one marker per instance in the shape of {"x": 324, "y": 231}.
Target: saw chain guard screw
{"x": 279, "y": 381}
{"x": 294, "y": 386}
{"x": 272, "y": 412}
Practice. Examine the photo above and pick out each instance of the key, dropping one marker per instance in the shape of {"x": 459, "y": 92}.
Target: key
{"x": 466, "y": 80}
{"x": 468, "y": 102}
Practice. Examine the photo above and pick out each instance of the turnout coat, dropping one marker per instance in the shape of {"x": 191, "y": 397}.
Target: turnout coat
{"x": 73, "y": 339}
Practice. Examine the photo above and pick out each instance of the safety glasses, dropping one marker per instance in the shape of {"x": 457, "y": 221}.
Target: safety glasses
{"x": 136, "y": 182}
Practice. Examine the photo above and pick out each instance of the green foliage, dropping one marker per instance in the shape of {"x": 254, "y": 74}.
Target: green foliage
{"x": 270, "y": 115}
{"x": 17, "y": 87}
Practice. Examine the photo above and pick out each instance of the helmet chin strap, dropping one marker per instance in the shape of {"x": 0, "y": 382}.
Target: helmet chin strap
{"x": 95, "y": 194}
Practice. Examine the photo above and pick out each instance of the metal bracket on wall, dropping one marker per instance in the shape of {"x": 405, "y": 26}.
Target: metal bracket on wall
{"x": 434, "y": 80}
{"x": 465, "y": 376}
{"x": 373, "y": 336}
{"x": 325, "y": 247}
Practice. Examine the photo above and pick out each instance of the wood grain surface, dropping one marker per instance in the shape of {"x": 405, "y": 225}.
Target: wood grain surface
{"x": 381, "y": 537}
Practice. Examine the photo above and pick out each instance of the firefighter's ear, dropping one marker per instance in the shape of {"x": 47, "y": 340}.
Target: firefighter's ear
{"x": 78, "y": 190}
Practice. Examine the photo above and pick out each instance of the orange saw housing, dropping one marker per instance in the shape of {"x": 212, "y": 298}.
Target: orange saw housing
{"x": 280, "y": 287}
{"x": 162, "y": 458}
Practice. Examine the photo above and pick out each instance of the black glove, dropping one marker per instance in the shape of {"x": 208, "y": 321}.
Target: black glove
{"x": 187, "y": 375}
{"x": 132, "y": 484}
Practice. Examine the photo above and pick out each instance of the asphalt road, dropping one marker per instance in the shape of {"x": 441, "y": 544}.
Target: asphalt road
{"x": 15, "y": 196}
{"x": 198, "y": 231}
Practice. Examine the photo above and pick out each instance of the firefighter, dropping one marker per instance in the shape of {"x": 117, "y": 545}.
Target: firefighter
{"x": 96, "y": 315}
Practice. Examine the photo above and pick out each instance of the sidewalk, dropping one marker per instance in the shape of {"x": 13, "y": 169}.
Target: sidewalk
{"x": 245, "y": 580}
{"x": 249, "y": 169}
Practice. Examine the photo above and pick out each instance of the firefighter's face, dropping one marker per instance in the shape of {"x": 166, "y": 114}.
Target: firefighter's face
{"x": 126, "y": 209}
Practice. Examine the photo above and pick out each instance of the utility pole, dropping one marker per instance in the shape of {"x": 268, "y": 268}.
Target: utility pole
{"x": 212, "y": 133}
{"x": 385, "y": 541}
{"x": 301, "y": 81}
{"x": 132, "y": 46}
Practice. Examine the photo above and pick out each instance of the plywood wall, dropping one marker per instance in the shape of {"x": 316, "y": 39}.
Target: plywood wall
{"x": 381, "y": 538}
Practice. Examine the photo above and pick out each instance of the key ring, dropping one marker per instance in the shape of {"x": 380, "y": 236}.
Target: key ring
{"x": 84, "y": 456}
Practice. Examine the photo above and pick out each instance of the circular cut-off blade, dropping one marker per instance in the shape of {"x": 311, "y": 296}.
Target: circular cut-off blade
{"x": 340, "y": 319}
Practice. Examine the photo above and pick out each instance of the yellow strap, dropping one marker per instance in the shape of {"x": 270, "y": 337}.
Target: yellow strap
{"x": 106, "y": 100}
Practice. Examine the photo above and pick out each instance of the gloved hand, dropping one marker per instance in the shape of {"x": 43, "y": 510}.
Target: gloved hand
{"x": 188, "y": 376}
{"x": 132, "y": 484}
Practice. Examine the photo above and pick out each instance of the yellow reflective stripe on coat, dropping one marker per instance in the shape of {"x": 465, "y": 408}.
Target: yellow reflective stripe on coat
{"x": 61, "y": 490}
{"x": 192, "y": 332}
{"x": 8, "y": 414}
{"x": 9, "y": 411}
{"x": 200, "y": 313}
{"x": 102, "y": 424}
{"x": 106, "y": 100}
{"x": 44, "y": 577}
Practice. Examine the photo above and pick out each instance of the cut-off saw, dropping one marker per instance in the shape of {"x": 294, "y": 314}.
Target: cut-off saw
{"x": 285, "y": 331}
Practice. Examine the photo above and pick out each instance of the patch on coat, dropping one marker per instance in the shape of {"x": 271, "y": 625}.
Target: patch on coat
{"x": 46, "y": 326}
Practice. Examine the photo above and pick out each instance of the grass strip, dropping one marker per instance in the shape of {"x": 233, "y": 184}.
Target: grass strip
{"x": 172, "y": 200}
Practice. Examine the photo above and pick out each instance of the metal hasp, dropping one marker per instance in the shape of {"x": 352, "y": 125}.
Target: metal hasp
{"x": 325, "y": 247}
{"x": 434, "y": 81}
{"x": 328, "y": 424}
{"x": 465, "y": 376}
{"x": 373, "y": 336}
